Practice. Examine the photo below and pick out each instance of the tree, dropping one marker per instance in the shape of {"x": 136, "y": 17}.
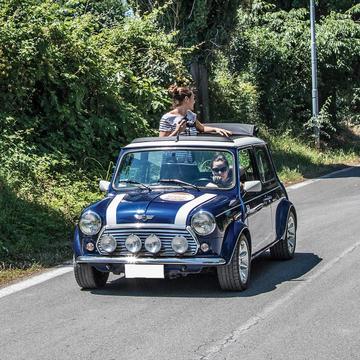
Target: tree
{"x": 204, "y": 25}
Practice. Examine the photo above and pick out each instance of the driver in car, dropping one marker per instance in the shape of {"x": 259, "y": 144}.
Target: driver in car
{"x": 221, "y": 172}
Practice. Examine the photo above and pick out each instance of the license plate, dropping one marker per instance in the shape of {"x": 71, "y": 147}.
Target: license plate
{"x": 144, "y": 271}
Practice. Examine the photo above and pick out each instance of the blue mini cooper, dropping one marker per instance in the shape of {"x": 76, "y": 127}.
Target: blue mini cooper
{"x": 179, "y": 206}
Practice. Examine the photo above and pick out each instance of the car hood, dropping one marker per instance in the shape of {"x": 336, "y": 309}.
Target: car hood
{"x": 166, "y": 207}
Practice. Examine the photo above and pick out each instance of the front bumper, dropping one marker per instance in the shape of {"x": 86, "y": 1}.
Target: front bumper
{"x": 200, "y": 261}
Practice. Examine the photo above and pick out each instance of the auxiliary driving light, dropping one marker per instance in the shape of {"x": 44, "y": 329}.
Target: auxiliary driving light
{"x": 179, "y": 244}
{"x": 107, "y": 243}
{"x": 133, "y": 243}
{"x": 153, "y": 244}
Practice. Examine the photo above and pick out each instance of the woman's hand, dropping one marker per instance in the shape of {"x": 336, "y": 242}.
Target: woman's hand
{"x": 180, "y": 126}
{"x": 223, "y": 132}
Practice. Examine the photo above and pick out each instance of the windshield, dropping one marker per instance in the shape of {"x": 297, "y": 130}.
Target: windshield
{"x": 194, "y": 168}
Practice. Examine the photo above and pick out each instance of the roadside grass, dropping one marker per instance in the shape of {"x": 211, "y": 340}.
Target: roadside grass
{"x": 41, "y": 197}
{"x": 39, "y": 205}
{"x": 11, "y": 274}
{"x": 36, "y": 231}
{"x": 295, "y": 160}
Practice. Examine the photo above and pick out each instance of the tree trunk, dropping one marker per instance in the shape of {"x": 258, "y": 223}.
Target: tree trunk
{"x": 200, "y": 77}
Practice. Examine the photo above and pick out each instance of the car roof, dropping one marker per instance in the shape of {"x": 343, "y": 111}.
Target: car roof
{"x": 196, "y": 141}
{"x": 242, "y": 135}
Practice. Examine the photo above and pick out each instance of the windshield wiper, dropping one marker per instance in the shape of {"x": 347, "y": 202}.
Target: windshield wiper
{"x": 134, "y": 182}
{"x": 179, "y": 182}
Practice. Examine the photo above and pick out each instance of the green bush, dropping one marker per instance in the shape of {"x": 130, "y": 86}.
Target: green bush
{"x": 82, "y": 87}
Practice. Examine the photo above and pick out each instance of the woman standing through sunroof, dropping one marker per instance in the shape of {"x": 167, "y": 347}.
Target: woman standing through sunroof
{"x": 181, "y": 119}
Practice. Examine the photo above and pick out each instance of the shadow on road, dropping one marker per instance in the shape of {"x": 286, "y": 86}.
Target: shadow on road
{"x": 267, "y": 274}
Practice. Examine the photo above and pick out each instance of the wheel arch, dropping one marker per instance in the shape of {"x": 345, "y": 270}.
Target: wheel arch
{"x": 236, "y": 229}
{"x": 282, "y": 213}
{"x": 76, "y": 245}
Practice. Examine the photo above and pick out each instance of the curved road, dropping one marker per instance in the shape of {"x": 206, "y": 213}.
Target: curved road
{"x": 306, "y": 308}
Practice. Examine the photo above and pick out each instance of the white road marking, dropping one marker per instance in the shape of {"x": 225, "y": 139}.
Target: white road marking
{"x": 302, "y": 184}
{"x": 236, "y": 334}
{"x": 311, "y": 181}
{"x": 35, "y": 280}
{"x": 338, "y": 172}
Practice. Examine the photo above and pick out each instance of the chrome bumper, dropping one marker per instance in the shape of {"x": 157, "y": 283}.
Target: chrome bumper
{"x": 160, "y": 261}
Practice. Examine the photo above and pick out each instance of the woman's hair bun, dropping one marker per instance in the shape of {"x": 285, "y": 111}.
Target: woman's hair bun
{"x": 173, "y": 90}
{"x": 179, "y": 93}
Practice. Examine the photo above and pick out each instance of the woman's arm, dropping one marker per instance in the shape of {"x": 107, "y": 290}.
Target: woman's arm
{"x": 210, "y": 129}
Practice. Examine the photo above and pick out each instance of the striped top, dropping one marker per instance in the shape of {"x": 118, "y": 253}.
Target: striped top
{"x": 169, "y": 121}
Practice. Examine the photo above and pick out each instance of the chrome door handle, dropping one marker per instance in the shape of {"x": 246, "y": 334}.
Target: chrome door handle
{"x": 255, "y": 209}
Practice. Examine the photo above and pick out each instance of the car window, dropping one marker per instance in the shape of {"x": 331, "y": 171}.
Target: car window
{"x": 198, "y": 167}
{"x": 264, "y": 166}
{"x": 247, "y": 172}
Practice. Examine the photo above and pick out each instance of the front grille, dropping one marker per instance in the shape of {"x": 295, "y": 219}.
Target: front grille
{"x": 165, "y": 236}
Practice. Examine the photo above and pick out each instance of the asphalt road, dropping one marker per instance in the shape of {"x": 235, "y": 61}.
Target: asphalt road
{"x": 306, "y": 308}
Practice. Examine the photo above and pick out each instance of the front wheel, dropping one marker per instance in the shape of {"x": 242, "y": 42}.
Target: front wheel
{"x": 285, "y": 249}
{"x": 88, "y": 277}
{"x": 235, "y": 276}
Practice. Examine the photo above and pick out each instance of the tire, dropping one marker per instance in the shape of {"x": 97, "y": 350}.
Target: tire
{"x": 285, "y": 248}
{"x": 88, "y": 277}
{"x": 235, "y": 276}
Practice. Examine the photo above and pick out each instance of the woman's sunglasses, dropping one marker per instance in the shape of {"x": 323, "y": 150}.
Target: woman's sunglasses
{"x": 219, "y": 169}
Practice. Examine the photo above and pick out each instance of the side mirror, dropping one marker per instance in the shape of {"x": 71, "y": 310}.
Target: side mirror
{"x": 104, "y": 185}
{"x": 252, "y": 186}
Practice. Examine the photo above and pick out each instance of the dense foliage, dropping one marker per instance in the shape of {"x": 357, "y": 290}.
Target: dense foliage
{"x": 76, "y": 85}
{"x": 269, "y": 64}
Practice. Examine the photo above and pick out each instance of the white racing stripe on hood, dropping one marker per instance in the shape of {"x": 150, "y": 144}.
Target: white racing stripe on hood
{"x": 112, "y": 209}
{"x": 184, "y": 211}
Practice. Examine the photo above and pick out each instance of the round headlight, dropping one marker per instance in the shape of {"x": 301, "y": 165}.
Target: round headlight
{"x": 107, "y": 243}
{"x": 153, "y": 244}
{"x": 203, "y": 223}
{"x": 90, "y": 223}
{"x": 179, "y": 244}
{"x": 133, "y": 243}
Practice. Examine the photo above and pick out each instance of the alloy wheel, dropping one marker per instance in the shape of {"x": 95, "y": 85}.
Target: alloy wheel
{"x": 243, "y": 261}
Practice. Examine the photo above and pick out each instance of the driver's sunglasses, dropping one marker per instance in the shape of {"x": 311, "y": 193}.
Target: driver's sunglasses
{"x": 219, "y": 169}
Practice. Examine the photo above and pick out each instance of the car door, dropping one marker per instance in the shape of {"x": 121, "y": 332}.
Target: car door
{"x": 269, "y": 189}
{"x": 258, "y": 210}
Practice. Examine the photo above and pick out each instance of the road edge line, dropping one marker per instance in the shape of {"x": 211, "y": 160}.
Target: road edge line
{"x": 35, "y": 280}
{"x": 311, "y": 181}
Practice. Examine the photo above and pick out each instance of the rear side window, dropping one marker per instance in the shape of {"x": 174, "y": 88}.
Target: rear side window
{"x": 263, "y": 162}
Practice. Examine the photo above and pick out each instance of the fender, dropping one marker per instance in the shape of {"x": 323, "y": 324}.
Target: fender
{"x": 77, "y": 243}
{"x": 231, "y": 238}
{"x": 282, "y": 213}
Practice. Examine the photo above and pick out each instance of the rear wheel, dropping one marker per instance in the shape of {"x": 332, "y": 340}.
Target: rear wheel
{"x": 285, "y": 249}
{"x": 235, "y": 276}
{"x": 88, "y": 277}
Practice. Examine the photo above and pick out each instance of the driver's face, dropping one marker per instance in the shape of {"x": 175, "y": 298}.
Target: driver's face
{"x": 220, "y": 169}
